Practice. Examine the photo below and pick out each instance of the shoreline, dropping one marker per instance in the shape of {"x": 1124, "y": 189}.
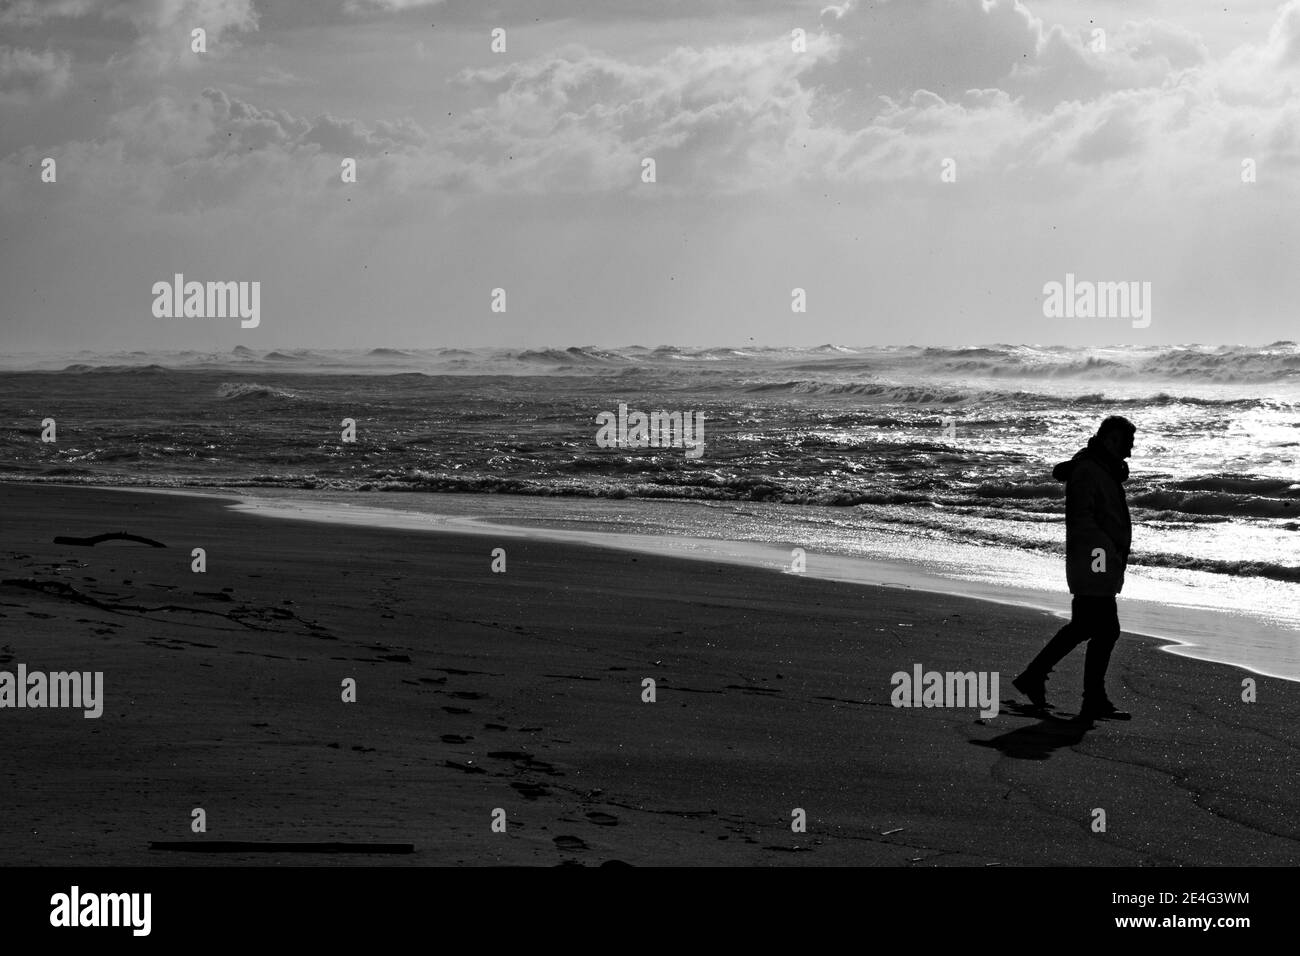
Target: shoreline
{"x": 522, "y": 691}
{"x": 289, "y": 505}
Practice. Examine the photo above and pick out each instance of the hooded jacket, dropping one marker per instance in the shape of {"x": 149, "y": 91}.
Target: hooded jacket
{"x": 1096, "y": 517}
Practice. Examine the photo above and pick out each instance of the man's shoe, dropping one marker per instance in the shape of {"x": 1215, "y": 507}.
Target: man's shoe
{"x": 1103, "y": 710}
{"x": 1032, "y": 686}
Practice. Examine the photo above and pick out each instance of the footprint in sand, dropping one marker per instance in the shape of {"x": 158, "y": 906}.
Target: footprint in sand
{"x": 466, "y": 767}
{"x": 525, "y": 761}
{"x": 570, "y": 843}
{"x": 602, "y": 819}
{"x": 530, "y": 791}
{"x": 455, "y": 739}
{"x": 460, "y": 710}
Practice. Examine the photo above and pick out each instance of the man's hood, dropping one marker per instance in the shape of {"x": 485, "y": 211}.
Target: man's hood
{"x": 1117, "y": 468}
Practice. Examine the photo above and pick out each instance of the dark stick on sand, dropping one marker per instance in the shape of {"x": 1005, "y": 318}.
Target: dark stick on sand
{"x": 110, "y": 536}
{"x": 246, "y": 846}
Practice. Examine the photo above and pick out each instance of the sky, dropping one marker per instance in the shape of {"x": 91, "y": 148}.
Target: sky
{"x": 921, "y": 169}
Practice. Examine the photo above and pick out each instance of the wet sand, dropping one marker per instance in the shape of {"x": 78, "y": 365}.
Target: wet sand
{"x": 522, "y": 691}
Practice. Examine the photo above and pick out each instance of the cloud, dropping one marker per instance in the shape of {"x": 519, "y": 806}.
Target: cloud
{"x": 506, "y": 12}
{"x": 715, "y": 117}
{"x": 1019, "y": 106}
{"x": 347, "y": 137}
{"x": 30, "y": 13}
{"x": 164, "y": 30}
{"x": 1283, "y": 47}
{"x": 223, "y": 157}
{"x": 945, "y": 46}
{"x": 27, "y": 76}
{"x": 894, "y": 47}
{"x": 162, "y": 26}
{"x": 367, "y": 6}
{"x": 754, "y": 117}
{"x": 218, "y": 125}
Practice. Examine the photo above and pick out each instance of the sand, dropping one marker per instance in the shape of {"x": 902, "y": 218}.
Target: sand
{"x": 522, "y": 692}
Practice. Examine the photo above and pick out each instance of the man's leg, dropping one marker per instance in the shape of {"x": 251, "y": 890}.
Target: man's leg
{"x": 1103, "y": 628}
{"x": 1031, "y": 682}
{"x": 1066, "y": 640}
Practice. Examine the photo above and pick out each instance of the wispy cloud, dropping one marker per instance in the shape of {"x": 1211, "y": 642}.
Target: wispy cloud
{"x": 27, "y": 76}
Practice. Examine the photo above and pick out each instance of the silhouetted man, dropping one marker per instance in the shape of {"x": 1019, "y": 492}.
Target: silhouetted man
{"x": 1098, "y": 534}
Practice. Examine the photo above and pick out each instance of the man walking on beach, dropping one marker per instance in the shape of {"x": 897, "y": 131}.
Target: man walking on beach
{"x": 1098, "y": 534}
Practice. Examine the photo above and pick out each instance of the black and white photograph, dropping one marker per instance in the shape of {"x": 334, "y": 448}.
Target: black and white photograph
{"x": 692, "y": 434}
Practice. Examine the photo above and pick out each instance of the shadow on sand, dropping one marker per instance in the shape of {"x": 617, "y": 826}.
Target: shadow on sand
{"x": 1039, "y": 741}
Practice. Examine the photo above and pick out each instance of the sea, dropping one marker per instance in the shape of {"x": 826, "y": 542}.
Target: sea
{"x": 918, "y": 467}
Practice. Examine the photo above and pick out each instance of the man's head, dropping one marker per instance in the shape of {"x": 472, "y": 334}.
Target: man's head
{"x": 1115, "y": 434}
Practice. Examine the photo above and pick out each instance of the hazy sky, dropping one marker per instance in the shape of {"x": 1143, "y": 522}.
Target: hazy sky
{"x": 776, "y": 168}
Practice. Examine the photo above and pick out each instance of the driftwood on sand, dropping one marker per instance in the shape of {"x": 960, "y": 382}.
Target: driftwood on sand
{"x": 110, "y": 536}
